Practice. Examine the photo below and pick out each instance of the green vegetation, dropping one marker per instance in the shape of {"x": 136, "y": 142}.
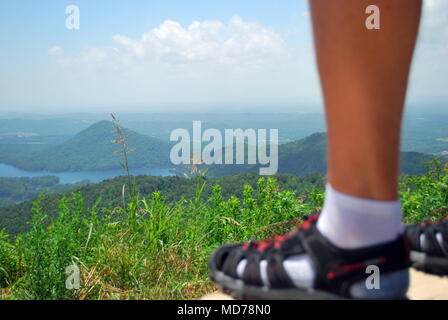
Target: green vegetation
{"x": 21, "y": 189}
{"x": 147, "y": 248}
{"x": 4, "y": 203}
{"x": 150, "y": 248}
{"x": 149, "y": 237}
{"x": 108, "y": 194}
{"x": 426, "y": 197}
{"x": 14, "y": 190}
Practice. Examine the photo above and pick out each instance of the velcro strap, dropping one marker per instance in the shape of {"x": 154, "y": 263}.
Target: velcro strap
{"x": 252, "y": 273}
{"x": 278, "y": 278}
{"x": 232, "y": 261}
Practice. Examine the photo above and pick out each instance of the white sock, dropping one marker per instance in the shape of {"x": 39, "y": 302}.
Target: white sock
{"x": 348, "y": 222}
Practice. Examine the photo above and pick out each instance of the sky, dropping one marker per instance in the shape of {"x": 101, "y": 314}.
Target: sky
{"x": 177, "y": 55}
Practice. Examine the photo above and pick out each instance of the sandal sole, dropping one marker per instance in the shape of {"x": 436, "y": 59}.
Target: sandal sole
{"x": 238, "y": 290}
{"x": 429, "y": 264}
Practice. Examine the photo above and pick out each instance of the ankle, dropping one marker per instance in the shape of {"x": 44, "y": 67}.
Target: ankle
{"x": 377, "y": 188}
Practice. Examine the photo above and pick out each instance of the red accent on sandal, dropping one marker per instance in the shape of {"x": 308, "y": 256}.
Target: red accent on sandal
{"x": 262, "y": 245}
{"x": 266, "y": 244}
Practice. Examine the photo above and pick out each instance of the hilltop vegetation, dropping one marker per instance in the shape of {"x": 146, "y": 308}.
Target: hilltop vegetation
{"x": 149, "y": 248}
{"x": 14, "y": 190}
{"x": 109, "y": 194}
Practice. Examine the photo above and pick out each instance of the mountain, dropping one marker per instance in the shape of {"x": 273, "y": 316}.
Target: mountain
{"x": 308, "y": 155}
{"x": 91, "y": 149}
{"x": 426, "y": 133}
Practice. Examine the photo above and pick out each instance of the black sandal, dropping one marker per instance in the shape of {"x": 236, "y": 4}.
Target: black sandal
{"x": 429, "y": 247}
{"x": 336, "y": 270}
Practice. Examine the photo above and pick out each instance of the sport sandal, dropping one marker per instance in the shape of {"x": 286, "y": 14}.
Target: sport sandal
{"x": 339, "y": 273}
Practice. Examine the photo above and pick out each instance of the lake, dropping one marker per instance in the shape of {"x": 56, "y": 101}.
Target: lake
{"x": 7, "y": 171}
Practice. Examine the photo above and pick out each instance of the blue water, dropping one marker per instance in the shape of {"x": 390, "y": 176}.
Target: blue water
{"x": 7, "y": 171}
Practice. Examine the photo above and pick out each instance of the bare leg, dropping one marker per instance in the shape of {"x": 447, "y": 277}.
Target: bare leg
{"x": 364, "y": 75}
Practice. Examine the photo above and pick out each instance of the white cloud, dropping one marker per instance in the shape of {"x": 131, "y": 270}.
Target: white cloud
{"x": 238, "y": 43}
{"x": 216, "y": 63}
{"x": 206, "y": 62}
{"x": 56, "y": 51}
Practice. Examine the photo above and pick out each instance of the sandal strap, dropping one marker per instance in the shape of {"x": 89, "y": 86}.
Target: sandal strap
{"x": 252, "y": 273}
{"x": 234, "y": 257}
{"x": 413, "y": 233}
{"x": 337, "y": 269}
{"x": 431, "y": 244}
{"x": 278, "y": 278}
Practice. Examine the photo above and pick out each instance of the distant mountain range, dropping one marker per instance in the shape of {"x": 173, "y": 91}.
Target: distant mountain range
{"x": 92, "y": 149}
{"x": 426, "y": 133}
{"x": 308, "y": 155}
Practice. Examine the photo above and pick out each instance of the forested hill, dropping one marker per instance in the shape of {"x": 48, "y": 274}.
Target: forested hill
{"x": 308, "y": 155}
{"x": 91, "y": 149}
{"x": 16, "y": 190}
{"x": 108, "y": 194}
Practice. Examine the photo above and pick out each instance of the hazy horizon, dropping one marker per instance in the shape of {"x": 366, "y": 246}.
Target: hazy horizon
{"x": 174, "y": 56}
{"x": 409, "y": 111}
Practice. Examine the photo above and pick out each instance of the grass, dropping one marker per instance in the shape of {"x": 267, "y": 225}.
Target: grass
{"x": 151, "y": 249}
